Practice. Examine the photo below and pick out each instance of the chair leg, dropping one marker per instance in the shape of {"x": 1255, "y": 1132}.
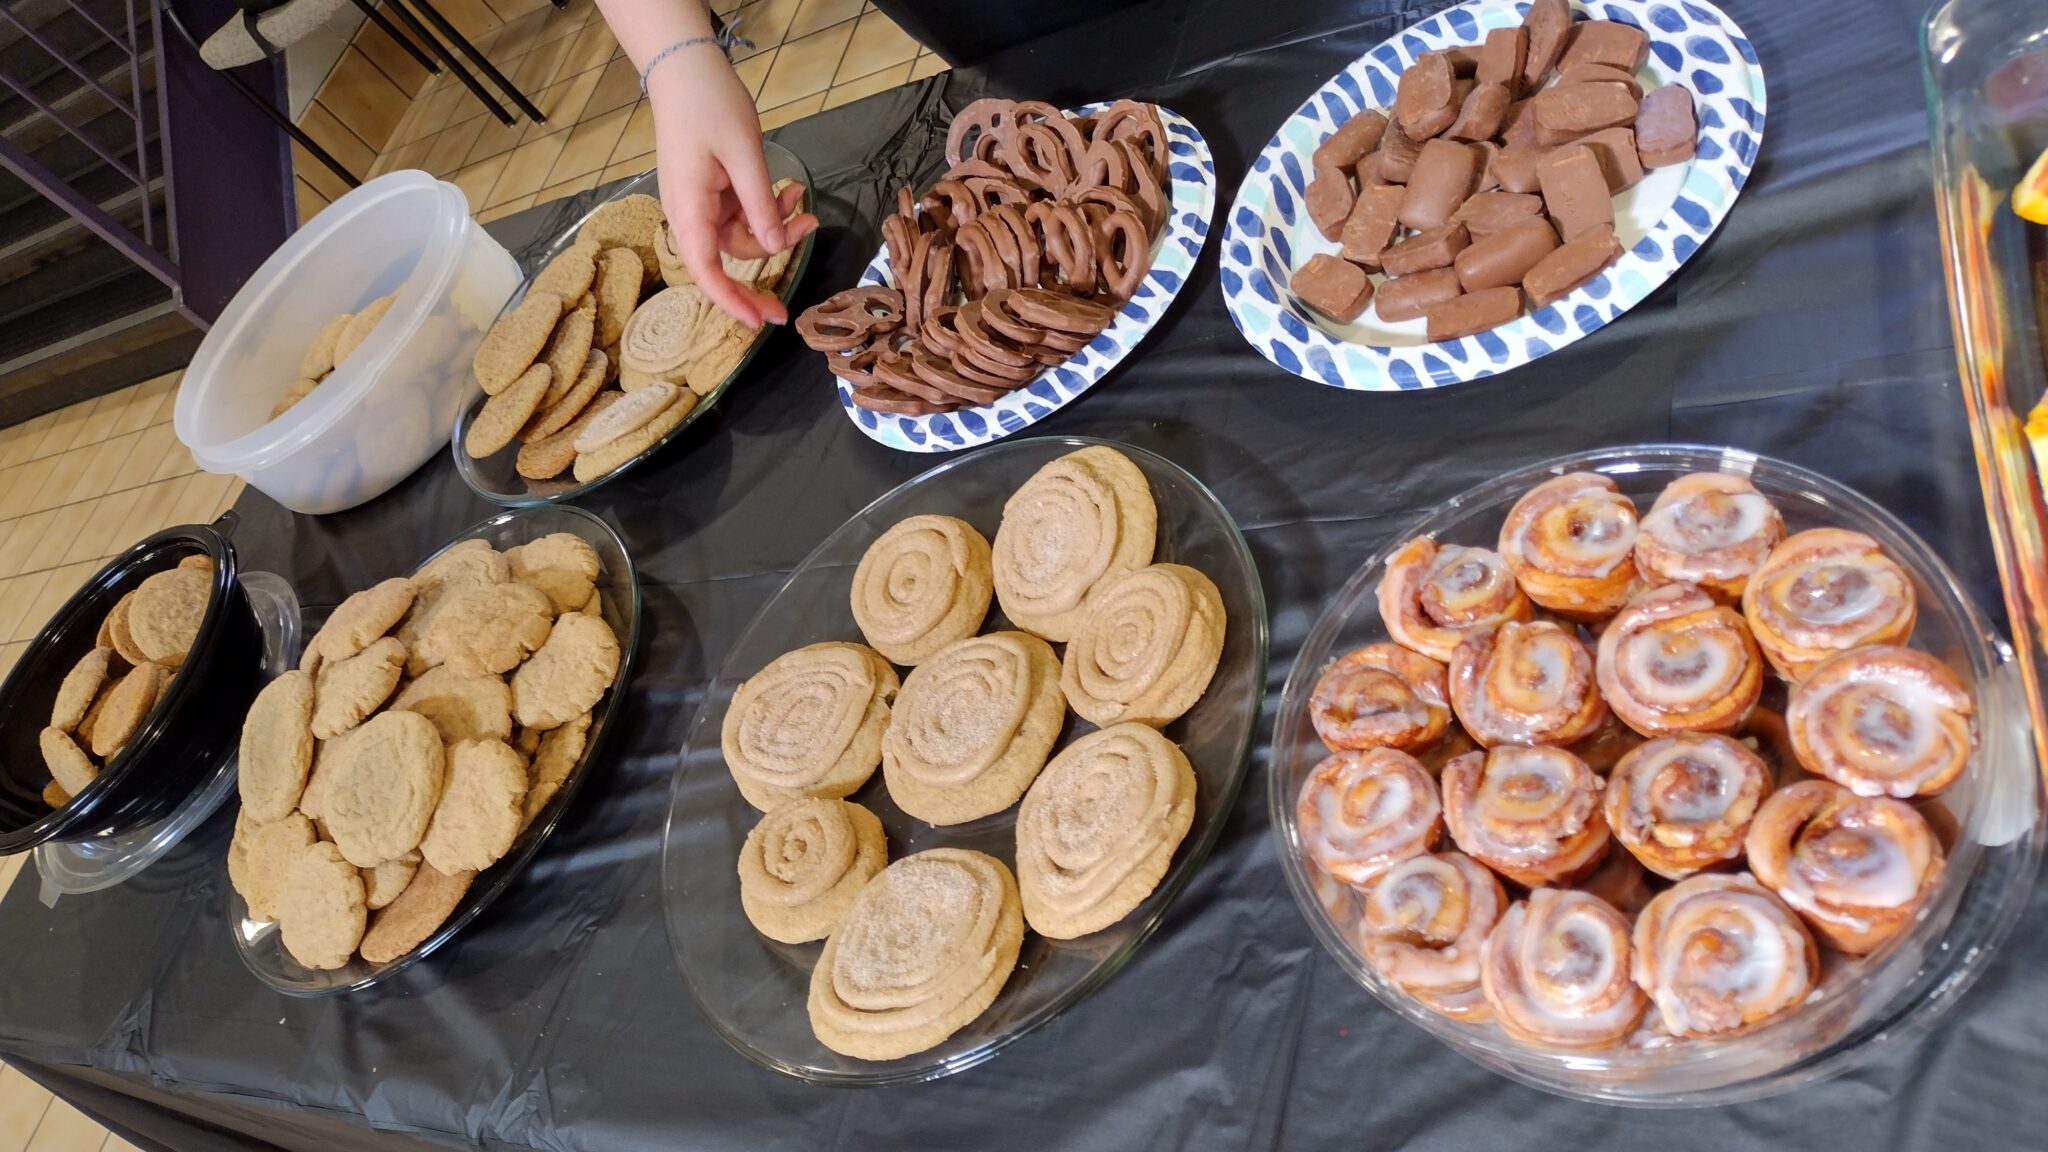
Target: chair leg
{"x": 439, "y": 49}
{"x": 376, "y": 16}
{"x": 477, "y": 58}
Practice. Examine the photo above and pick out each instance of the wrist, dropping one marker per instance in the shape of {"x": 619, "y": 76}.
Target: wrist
{"x": 670, "y": 64}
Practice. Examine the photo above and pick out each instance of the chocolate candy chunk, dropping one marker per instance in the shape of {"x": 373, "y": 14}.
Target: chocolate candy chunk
{"x": 1519, "y": 127}
{"x": 1584, "y": 107}
{"x": 1489, "y": 212}
{"x": 1595, "y": 73}
{"x": 1464, "y": 58}
{"x": 1337, "y": 288}
{"x": 1435, "y": 248}
{"x": 1505, "y": 256}
{"x": 1501, "y": 59}
{"x": 1406, "y": 297}
{"x": 1615, "y": 148}
{"x": 1486, "y": 181}
{"x": 1481, "y": 114}
{"x": 1328, "y": 198}
{"x": 1607, "y": 42}
{"x": 1443, "y": 177}
{"x": 1515, "y": 168}
{"x": 1368, "y": 171}
{"x": 1570, "y": 265}
{"x": 1665, "y": 128}
{"x": 1397, "y": 155}
{"x": 1550, "y": 24}
{"x": 1473, "y": 313}
{"x": 1351, "y": 141}
{"x": 1371, "y": 226}
{"x": 1425, "y": 102}
{"x": 1575, "y": 190}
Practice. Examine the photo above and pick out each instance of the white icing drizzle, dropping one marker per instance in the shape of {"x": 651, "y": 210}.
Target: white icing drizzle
{"x": 1359, "y": 812}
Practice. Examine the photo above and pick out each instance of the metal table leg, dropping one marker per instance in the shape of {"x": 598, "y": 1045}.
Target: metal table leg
{"x": 477, "y": 58}
{"x": 412, "y": 22}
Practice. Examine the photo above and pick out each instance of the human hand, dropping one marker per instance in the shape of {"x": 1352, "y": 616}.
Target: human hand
{"x": 714, "y": 182}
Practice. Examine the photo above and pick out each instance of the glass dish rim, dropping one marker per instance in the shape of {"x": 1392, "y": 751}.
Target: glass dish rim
{"x": 564, "y": 797}
{"x": 1550, "y": 1069}
{"x": 1173, "y": 885}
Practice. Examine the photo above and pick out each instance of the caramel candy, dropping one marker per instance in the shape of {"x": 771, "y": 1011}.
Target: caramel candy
{"x": 1584, "y": 107}
{"x": 1550, "y": 24}
{"x": 1665, "y": 127}
{"x": 1425, "y": 101}
{"x": 1435, "y": 248}
{"x": 1371, "y": 226}
{"x": 1444, "y": 175}
{"x": 1570, "y": 265}
{"x": 1489, "y": 212}
{"x": 1328, "y": 200}
{"x": 1615, "y": 148}
{"x": 1616, "y": 45}
{"x": 1407, "y": 297}
{"x": 1502, "y": 57}
{"x": 1337, "y": 288}
{"x": 1352, "y": 140}
{"x": 1520, "y": 125}
{"x": 1397, "y": 155}
{"x": 1594, "y": 73}
{"x": 1505, "y": 256}
{"x": 1515, "y": 168}
{"x": 1575, "y": 190}
{"x": 1473, "y": 313}
{"x": 1481, "y": 114}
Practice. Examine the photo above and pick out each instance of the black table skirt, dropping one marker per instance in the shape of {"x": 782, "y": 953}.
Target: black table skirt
{"x": 1813, "y": 327}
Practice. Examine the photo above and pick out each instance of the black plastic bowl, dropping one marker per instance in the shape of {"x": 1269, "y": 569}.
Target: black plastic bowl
{"x": 198, "y": 721}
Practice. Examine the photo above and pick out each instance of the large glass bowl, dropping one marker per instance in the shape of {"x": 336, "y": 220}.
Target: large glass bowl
{"x": 1858, "y": 1005}
{"x": 753, "y": 989}
{"x": 496, "y": 477}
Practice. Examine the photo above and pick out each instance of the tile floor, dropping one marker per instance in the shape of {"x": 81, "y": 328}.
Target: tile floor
{"x": 807, "y": 55}
{"x": 77, "y": 486}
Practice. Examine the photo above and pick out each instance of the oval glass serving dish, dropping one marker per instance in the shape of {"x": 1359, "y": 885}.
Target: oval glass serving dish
{"x": 619, "y": 593}
{"x": 1989, "y": 821}
{"x": 496, "y": 477}
{"x": 752, "y": 989}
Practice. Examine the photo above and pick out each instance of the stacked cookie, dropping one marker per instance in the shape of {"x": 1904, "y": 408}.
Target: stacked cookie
{"x": 332, "y": 345}
{"x": 609, "y": 350}
{"x": 429, "y": 722}
{"x": 969, "y": 732}
{"x": 107, "y": 695}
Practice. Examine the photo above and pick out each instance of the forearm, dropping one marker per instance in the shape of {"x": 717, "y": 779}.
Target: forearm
{"x": 645, "y": 27}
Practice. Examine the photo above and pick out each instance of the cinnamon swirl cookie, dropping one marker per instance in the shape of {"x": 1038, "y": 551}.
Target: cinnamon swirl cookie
{"x": 1080, "y": 520}
{"x": 1856, "y": 867}
{"x": 1433, "y": 596}
{"x": 809, "y": 724}
{"x": 1146, "y": 648}
{"x": 1525, "y": 684}
{"x": 1709, "y": 529}
{"x": 1682, "y": 803}
{"x": 1720, "y": 953}
{"x": 804, "y": 863}
{"x": 922, "y": 585}
{"x": 1426, "y": 922}
{"x": 1530, "y": 814}
{"x": 926, "y": 947}
{"x": 1556, "y": 968}
{"x": 1674, "y": 660}
{"x": 1360, "y": 813}
{"x": 1570, "y": 541}
{"x": 1883, "y": 721}
{"x": 972, "y": 727}
{"x": 1099, "y": 827}
{"x": 1823, "y": 591}
{"x": 1381, "y": 695}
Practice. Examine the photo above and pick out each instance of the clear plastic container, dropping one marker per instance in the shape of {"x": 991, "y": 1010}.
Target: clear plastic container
{"x": 391, "y": 405}
{"x": 1859, "y": 1004}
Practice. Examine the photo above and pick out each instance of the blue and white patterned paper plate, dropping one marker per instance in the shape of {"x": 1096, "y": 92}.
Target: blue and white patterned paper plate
{"x": 1661, "y": 221}
{"x": 1193, "y": 186}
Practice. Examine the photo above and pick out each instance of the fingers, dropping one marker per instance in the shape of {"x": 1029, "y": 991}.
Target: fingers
{"x": 696, "y": 236}
{"x": 746, "y": 170}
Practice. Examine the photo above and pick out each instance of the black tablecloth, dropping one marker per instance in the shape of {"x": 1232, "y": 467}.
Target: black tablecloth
{"x": 1813, "y": 327}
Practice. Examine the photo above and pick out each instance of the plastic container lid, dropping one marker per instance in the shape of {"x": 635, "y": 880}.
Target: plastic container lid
{"x": 76, "y": 866}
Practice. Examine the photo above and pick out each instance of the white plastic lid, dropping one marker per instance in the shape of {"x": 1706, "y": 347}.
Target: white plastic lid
{"x": 75, "y": 866}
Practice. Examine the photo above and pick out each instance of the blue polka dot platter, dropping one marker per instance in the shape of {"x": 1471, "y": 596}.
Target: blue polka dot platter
{"x": 1193, "y": 205}
{"x": 1661, "y": 221}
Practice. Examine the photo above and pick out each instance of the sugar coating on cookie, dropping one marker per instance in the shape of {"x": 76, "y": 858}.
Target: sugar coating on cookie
{"x": 972, "y": 727}
{"x": 802, "y": 866}
{"x": 479, "y": 814}
{"x": 80, "y": 688}
{"x": 460, "y": 707}
{"x": 633, "y": 222}
{"x": 321, "y": 910}
{"x": 609, "y": 458}
{"x": 347, "y": 691}
{"x": 568, "y": 674}
{"x": 276, "y": 752}
{"x": 809, "y": 724}
{"x": 566, "y": 352}
{"x": 165, "y": 616}
{"x": 376, "y": 786}
{"x": 515, "y": 341}
{"x": 569, "y": 274}
{"x": 259, "y": 856}
{"x": 1078, "y": 521}
{"x": 619, "y": 276}
{"x": 503, "y": 415}
{"x": 480, "y": 629}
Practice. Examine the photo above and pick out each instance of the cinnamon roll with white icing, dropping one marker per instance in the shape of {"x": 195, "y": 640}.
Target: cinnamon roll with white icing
{"x": 1361, "y": 812}
{"x": 1433, "y": 596}
{"x": 1571, "y": 541}
{"x": 1556, "y": 971}
{"x": 1856, "y": 867}
{"x": 1682, "y": 803}
{"x": 1525, "y": 684}
{"x": 1719, "y": 954}
{"x": 1883, "y": 721}
{"x": 1710, "y": 529}
{"x": 1674, "y": 660}
{"x": 1425, "y": 924}
{"x": 1531, "y": 814}
{"x": 1381, "y": 696}
{"x": 1823, "y": 591}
